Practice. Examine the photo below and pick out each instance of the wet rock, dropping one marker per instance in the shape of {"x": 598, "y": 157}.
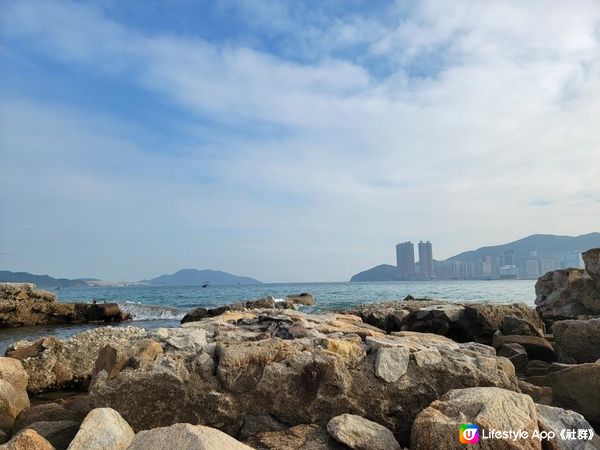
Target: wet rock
{"x": 557, "y": 419}
{"x": 577, "y": 341}
{"x": 52, "y": 364}
{"x": 305, "y": 437}
{"x": 359, "y": 433}
{"x": 184, "y": 435}
{"x": 537, "y": 347}
{"x": 305, "y": 298}
{"x": 59, "y": 433}
{"x": 103, "y": 429}
{"x": 437, "y": 426}
{"x": 575, "y": 387}
{"x": 27, "y": 440}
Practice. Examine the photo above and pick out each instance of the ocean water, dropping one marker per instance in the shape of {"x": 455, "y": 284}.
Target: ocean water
{"x": 164, "y": 306}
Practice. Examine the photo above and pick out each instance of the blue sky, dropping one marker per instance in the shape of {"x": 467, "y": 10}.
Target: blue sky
{"x": 290, "y": 141}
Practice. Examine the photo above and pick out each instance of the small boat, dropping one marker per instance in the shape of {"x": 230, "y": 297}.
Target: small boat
{"x": 205, "y": 284}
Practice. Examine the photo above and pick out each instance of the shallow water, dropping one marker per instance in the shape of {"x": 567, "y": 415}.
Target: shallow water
{"x": 164, "y": 306}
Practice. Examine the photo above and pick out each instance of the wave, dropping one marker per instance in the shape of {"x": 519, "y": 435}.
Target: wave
{"x": 139, "y": 311}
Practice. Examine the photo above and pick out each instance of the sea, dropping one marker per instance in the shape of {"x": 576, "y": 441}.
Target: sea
{"x": 165, "y": 306}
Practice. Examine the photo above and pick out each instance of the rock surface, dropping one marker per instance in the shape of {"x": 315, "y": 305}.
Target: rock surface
{"x": 575, "y": 387}
{"x": 296, "y": 369}
{"x": 359, "y": 433}
{"x": 27, "y": 440}
{"x": 13, "y": 393}
{"x": 184, "y": 435}
{"x": 299, "y": 437}
{"x": 536, "y": 347}
{"x": 462, "y": 322}
{"x": 437, "y": 426}
{"x": 556, "y": 420}
{"x": 53, "y": 364}
{"x": 103, "y": 429}
{"x": 570, "y": 293}
{"x": 577, "y": 341}
{"x": 59, "y": 433}
{"x": 22, "y": 305}
{"x": 47, "y": 412}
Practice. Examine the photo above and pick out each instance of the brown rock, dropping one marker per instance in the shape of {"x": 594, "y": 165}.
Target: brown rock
{"x": 27, "y": 440}
{"x": 577, "y": 341}
{"x": 12, "y": 401}
{"x": 59, "y": 434}
{"x": 436, "y": 427}
{"x": 537, "y": 347}
{"x": 591, "y": 259}
{"x": 48, "y": 412}
{"x": 539, "y": 394}
{"x": 359, "y": 433}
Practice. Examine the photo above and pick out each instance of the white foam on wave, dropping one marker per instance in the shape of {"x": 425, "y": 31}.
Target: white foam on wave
{"x": 138, "y": 311}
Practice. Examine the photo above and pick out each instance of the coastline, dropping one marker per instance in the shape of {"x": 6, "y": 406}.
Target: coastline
{"x": 273, "y": 372}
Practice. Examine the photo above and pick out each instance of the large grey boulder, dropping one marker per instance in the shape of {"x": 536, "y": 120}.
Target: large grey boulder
{"x": 551, "y": 419}
{"x": 359, "y": 433}
{"x": 577, "y": 341}
{"x": 103, "y": 429}
{"x": 437, "y": 426}
{"x": 184, "y": 435}
{"x": 591, "y": 259}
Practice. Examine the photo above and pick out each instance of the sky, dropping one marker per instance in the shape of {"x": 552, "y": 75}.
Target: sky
{"x": 290, "y": 140}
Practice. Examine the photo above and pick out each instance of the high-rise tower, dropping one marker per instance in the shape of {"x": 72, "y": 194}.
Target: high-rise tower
{"x": 425, "y": 260}
{"x": 405, "y": 259}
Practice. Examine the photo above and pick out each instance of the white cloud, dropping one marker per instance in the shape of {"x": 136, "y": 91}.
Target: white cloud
{"x": 499, "y": 140}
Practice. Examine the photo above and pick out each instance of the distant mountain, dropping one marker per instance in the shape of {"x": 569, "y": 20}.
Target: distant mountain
{"x": 194, "y": 277}
{"x": 544, "y": 244}
{"x": 43, "y": 281}
{"x": 384, "y": 272}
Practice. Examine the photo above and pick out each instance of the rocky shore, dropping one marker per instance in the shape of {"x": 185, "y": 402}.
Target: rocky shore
{"x": 263, "y": 375}
{"x": 21, "y": 304}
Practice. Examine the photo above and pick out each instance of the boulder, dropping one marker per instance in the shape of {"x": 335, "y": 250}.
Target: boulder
{"x": 391, "y": 363}
{"x": 254, "y": 425}
{"x": 514, "y": 325}
{"x": 577, "y": 341}
{"x": 537, "y": 347}
{"x": 591, "y": 259}
{"x": 184, "y": 435}
{"x": 13, "y": 393}
{"x": 59, "y": 433}
{"x": 305, "y": 299}
{"x": 437, "y": 426}
{"x": 27, "y": 440}
{"x": 113, "y": 358}
{"x": 359, "y": 433}
{"x": 575, "y": 387}
{"x": 12, "y": 401}
{"x": 11, "y": 370}
{"x": 306, "y": 437}
{"x": 567, "y": 294}
{"x": 516, "y": 354}
{"x": 103, "y": 429}
{"x": 53, "y": 364}
{"x": 551, "y": 419}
